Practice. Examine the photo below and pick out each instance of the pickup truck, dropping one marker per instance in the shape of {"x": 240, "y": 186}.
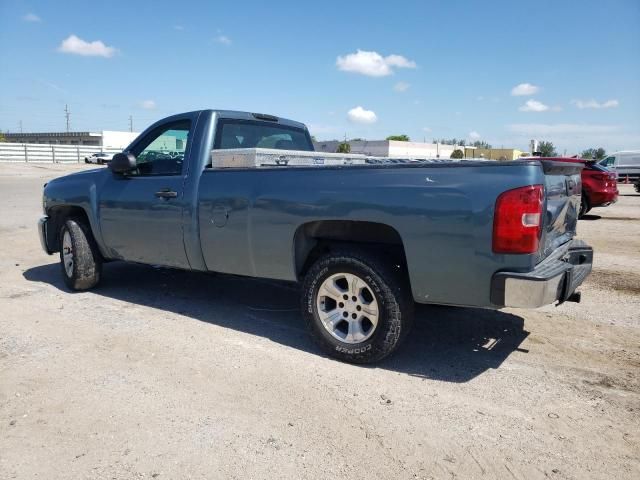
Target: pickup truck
{"x": 364, "y": 240}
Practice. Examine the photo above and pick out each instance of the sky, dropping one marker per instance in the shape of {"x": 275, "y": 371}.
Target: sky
{"x": 500, "y": 71}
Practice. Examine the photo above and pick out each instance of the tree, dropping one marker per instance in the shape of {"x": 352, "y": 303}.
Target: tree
{"x": 547, "y": 149}
{"x": 594, "y": 154}
{"x": 343, "y": 147}
{"x": 399, "y": 138}
{"x": 2, "y": 137}
{"x": 313, "y": 138}
{"x": 357, "y": 139}
{"x": 481, "y": 144}
{"x": 457, "y": 154}
{"x": 446, "y": 141}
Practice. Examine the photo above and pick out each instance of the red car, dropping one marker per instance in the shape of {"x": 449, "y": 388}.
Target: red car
{"x": 599, "y": 185}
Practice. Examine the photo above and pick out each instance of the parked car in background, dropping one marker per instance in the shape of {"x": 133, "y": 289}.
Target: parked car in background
{"x": 626, "y": 164}
{"x": 100, "y": 158}
{"x": 599, "y": 184}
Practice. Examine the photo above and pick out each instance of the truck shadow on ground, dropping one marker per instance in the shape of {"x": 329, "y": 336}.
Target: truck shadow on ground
{"x": 447, "y": 343}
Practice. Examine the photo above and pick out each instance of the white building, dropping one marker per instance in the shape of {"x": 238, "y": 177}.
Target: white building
{"x": 391, "y": 148}
{"x": 105, "y": 138}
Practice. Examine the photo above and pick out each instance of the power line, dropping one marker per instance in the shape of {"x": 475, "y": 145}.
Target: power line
{"x": 67, "y": 113}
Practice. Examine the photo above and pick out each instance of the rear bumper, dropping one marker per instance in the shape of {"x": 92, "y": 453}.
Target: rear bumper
{"x": 554, "y": 279}
{"x": 603, "y": 199}
{"x": 42, "y": 233}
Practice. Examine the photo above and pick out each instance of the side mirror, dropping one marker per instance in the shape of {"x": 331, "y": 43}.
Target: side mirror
{"x": 122, "y": 163}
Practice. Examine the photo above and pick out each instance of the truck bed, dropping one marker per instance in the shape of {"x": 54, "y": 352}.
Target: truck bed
{"x": 249, "y": 218}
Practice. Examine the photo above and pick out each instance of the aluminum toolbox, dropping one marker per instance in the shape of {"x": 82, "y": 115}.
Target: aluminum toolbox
{"x": 268, "y": 157}
{"x": 272, "y": 158}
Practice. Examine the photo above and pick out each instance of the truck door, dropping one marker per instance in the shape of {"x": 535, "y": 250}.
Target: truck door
{"x": 140, "y": 213}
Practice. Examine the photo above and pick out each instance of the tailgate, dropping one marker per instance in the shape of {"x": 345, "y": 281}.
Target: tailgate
{"x": 562, "y": 189}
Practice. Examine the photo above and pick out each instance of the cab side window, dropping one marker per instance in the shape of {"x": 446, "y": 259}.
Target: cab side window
{"x": 609, "y": 161}
{"x": 162, "y": 151}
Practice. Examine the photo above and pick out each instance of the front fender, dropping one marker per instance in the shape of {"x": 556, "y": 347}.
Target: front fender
{"x": 75, "y": 194}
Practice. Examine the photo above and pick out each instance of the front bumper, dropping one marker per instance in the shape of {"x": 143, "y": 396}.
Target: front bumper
{"x": 42, "y": 232}
{"x": 554, "y": 279}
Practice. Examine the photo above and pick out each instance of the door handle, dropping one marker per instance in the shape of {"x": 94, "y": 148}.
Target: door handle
{"x": 166, "y": 193}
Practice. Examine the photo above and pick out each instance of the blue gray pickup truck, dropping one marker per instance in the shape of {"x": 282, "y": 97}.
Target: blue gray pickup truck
{"x": 365, "y": 240}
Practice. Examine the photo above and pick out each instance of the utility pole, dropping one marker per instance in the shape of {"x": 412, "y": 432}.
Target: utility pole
{"x": 130, "y": 123}
{"x": 20, "y": 125}
{"x": 67, "y": 114}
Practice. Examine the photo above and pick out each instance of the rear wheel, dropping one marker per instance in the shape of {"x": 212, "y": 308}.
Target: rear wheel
{"x": 80, "y": 259}
{"x": 584, "y": 205}
{"x": 357, "y": 307}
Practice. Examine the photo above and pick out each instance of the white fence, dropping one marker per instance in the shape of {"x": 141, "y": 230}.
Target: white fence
{"x": 45, "y": 153}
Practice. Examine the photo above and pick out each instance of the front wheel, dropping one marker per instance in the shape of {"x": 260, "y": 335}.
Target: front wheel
{"x": 357, "y": 307}
{"x": 79, "y": 256}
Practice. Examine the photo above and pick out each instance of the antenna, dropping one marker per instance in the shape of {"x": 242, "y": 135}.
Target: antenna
{"x": 130, "y": 123}
{"x": 67, "y": 114}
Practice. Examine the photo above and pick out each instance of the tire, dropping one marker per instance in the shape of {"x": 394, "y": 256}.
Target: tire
{"x": 380, "y": 289}
{"x": 80, "y": 260}
{"x": 584, "y": 205}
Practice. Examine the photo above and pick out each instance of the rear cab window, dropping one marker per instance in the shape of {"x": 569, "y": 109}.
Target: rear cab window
{"x": 233, "y": 133}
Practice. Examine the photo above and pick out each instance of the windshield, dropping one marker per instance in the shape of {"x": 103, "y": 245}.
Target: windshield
{"x": 254, "y": 134}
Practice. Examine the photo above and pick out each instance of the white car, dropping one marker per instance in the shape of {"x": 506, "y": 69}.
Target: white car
{"x": 100, "y": 158}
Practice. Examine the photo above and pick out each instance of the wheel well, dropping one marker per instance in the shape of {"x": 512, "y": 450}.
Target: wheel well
{"x": 314, "y": 239}
{"x": 57, "y": 217}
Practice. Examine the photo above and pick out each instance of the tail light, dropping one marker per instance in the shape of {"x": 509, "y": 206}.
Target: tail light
{"x": 517, "y": 220}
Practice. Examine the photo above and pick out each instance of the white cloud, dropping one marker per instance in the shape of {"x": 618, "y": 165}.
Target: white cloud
{"x": 534, "y": 106}
{"x": 77, "y": 46}
{"x": 148, "y": 104}
{"x": 223, "y": 39}
{"x": 426, "y": 129}
{"x": 360, "y": 115}
{"x": 372, "y": 63}
{"x": 178, "y": 27}
{"x": 595, "y": 104}
{"x": 401, "y": 87}
{"x": 399, "y": 61}
{"x": 524, "y": 90}
{"x": 473, "y": 135}
{"x": 479, "y": 98}
{"x": 31, "y": 17}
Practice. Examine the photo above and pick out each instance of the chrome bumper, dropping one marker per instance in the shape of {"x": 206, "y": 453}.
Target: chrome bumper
{"x": 554, "y": 279}
{"x": 42, "y": 233}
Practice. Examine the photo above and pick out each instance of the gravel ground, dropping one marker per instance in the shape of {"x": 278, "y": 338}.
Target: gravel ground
{"x": 169, "y": 374}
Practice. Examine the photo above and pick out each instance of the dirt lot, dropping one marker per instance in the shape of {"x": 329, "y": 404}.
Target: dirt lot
{"x": 168, "y": 374}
